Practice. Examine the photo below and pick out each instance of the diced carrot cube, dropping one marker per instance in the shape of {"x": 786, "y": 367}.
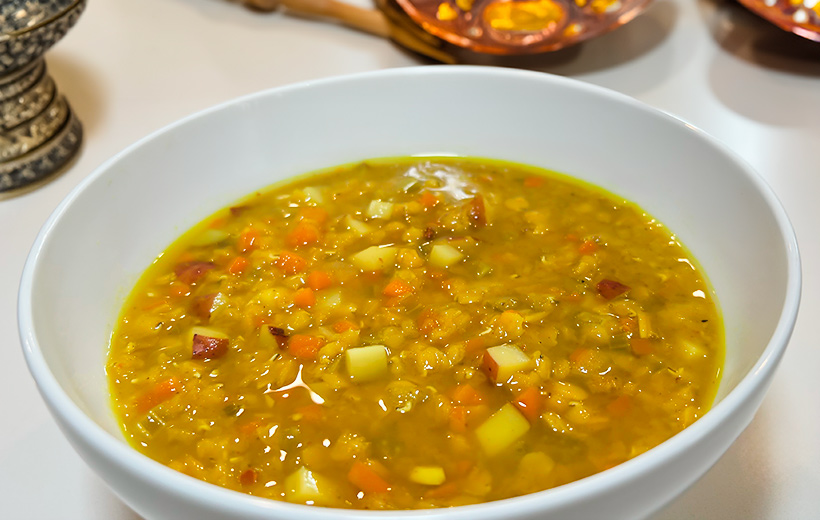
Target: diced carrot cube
{"x": 641, "y": 346}
{"x": 238, "y": 265}
{"x": 467, "y": 395}
{"x": 304, "y": 233}
{"x": 475, "y": 344}
{"x": 398, "y": 287}
{"x": 620, "y": 406}
{"x": 443, "y": 491}
{"x": 291, "y": 263}
{"x": 458, "y": 419}
{"x": 428, "y": 200}
{"x": 311, "y": 413}
{"x": 304, "y": 297}
{"x": 428, "y": 321}
{"x": 179, "y": 289}
{"x": 248, "y": 477}
{"x": 367, "y": 479}
{"x": 318, "y": 280}
{"x": 533, "y": 181}
{"x": 247, "y": 240}
{"x": 581, "y": 356}
{"x": 314, "y": 214}
{"x": 305, "y": 346}
{"x": 249, "y": 429}
{"x": 588, "y": 247}
{"x": 530, "y": 402}
{"x": 629, "y": 324}
{"x": 159, "y": 393}
{"x": 344, "y": 326}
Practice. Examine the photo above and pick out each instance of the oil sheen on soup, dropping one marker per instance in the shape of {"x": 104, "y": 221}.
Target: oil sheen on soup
{"x": 415, "y": 333}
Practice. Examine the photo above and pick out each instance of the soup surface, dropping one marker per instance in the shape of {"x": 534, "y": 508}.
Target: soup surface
{"x": 415, "y": 333}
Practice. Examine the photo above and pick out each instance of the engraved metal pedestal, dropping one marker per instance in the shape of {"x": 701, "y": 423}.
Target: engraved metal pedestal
{"x": 39, "y": 133}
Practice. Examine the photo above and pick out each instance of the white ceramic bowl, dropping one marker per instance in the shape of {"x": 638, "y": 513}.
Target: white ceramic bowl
{"x": 117, "y": 220}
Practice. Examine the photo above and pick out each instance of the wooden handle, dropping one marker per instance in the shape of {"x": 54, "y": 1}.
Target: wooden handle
{"x": 367, "y": 20}
{"x": 372, "y": 21}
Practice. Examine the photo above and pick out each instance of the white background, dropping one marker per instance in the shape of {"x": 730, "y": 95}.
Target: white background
{"x": 131, "y": 67}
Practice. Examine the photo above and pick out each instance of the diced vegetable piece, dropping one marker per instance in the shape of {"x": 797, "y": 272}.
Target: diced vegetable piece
{"x": 357, "y": 226}
{"x": 588, "y": 247}
{"x": 502, "y": 429}
{"x": 318, "y": 280}
{"x": 458, "y": 419}
{"x": 192, "y": 272}
{"x": 428, "y": 475}
{"x": 247, "y": 240}
{"x": 344, "y": 325}
{"x": 210, "y": 236}
{"x": 398, "y": 287}
{"x": 273, "y": 336}
{"x": 314, "y": 194}
{"x": 291, "y": 263}
{"x": 366, "y": 363}
{"x": 620, "y": 406}
{"x": 307, "y": 486}
{"x": 304, "y": 297}
{"x": 305, "y": 346}
{"x": 380, "y": 209}
{"x": 203, "y": 305}
{"x": 248, "y": 477}
{"x": 534, "y": 182}
{"x": 644, "y": 325}
{"x": 330, "y": 299}
{"x": 505, "y": 360}
{"x": 367, "y": 479}
{"x": 208, "y": 343}
{"x": 428, "y": 200}
{"x": 477, "y": 212}
{"x": 313, "y": 214}
{"x": 610, "y": 289}
{"x": 444, "y": 255}
{"x": 467, "y": 395}
{"x": 158, "y": 394}
{"x": 641, "y": 346}
{"x": 530, "y": 402}
{"x": 693, "y": 350}
{"x": 304, "y": 233}
{"x": 374, "y": 258}
{"x": 238, "y": 265}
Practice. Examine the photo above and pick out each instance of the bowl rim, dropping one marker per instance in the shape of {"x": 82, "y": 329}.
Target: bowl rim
{"x": 221, "y": 499}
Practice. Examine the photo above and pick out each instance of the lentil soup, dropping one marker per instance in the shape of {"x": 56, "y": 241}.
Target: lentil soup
{"x": 415, "y": 333}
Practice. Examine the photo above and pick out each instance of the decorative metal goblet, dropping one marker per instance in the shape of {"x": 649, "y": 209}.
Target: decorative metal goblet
{"x": 38, "y": 131}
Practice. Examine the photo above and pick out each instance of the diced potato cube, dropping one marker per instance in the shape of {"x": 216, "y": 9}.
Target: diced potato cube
{"x": 428, "y": 475}
{"x": 210, "y": 236}
{"x": 693, "y": 350}
{"x": 644, "y": 325}
{"x": 380, "y": 209}
{"x": 357, "y": 226}
{"x": 208, "y": 332}
{"x": 314, "y": 194}
{"x": 444, "y": 255}
{"x": 374, "y": 258}
{"x": 366, "y": 363}
{"x": 305, "y": 486}
{"x": 503, "y": 361}
{"x": 502, "y": 429}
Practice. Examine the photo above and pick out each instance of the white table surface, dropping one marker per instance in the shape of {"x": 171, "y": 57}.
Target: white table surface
{"x": 131, "y": 67}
